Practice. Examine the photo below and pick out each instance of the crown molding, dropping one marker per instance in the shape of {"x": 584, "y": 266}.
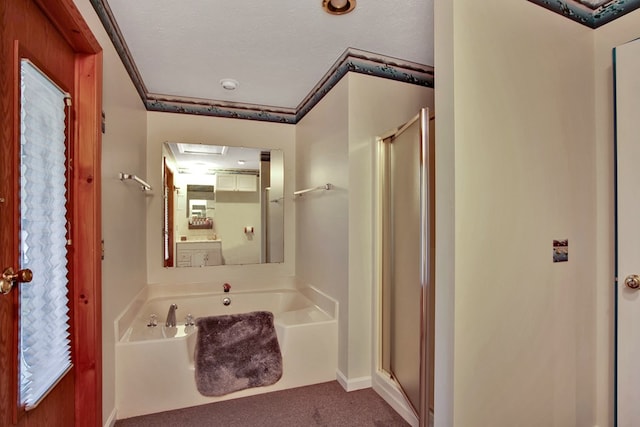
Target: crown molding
{"x": 584, "y": 13}
{"x": 362, "y": 62}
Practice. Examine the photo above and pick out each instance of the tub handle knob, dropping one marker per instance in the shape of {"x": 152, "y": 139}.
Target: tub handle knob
{"x": 188, "y": 321}
{"x": 153, "y": 320}
{"x": 226, "y": 301}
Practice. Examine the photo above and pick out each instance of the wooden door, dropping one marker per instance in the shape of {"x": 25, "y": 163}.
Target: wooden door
{"x": 53, "y": 35}
{"x": 627, "y": 78}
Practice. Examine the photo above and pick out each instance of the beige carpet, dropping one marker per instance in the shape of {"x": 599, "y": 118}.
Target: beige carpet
{"x": 326, "y": 405}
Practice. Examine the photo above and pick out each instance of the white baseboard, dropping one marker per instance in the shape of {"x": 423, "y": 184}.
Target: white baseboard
{"x": 354, "y": 383}
{"x": 390, "y": 393}
{"x": 111, "y": 421}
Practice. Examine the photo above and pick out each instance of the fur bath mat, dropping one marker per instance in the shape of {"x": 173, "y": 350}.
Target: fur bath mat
{"x": 235, "y": 352}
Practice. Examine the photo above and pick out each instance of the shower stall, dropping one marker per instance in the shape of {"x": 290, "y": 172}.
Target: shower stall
{"x": 405, "y": 249}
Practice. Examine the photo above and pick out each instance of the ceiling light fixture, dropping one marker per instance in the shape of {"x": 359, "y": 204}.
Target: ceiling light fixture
{"x": 229, "y": 84}
{"x": 338, "y": 7}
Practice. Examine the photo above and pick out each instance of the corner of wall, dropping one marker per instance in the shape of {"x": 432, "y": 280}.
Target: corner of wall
{"x": 353, "y": 384}
{"x": 111, "y": 419}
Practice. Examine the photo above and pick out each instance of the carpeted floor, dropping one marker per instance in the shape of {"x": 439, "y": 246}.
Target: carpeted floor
{"x": 326, "y": 405}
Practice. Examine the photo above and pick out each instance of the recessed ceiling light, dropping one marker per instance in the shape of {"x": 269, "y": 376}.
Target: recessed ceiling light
{"x": 229, "y": 84}
{"x": 338, "y": 7}
{"x": 241, "y": 162}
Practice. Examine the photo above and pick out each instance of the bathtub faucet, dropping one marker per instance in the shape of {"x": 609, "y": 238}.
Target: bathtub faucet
{"x": 226, "y": 287}
{"x": 171, "y": 316}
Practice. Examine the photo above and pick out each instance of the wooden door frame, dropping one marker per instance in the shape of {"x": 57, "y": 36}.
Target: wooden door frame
{"x": 169, "y": 190}
{"x": 86, "y": 228}
{"x": 87, "y": 225}
{"x": 87, "y": 244}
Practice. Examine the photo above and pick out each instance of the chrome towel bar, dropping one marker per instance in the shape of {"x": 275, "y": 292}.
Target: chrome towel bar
{"x": 145, "y": 186}
{"x": 321, "y": 187}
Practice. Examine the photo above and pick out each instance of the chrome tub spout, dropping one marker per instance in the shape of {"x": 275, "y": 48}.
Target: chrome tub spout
{"x": 171, "y": 316}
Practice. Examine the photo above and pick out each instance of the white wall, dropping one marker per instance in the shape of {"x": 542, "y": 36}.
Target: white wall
{"x": 221, "y": 131}
{"x": 322, "y": 257}
{"x": 519, "y": 112}
{"x": 123, "y": 204}
{"x": 336, "y": 144}
{"x": 444, "y": 27}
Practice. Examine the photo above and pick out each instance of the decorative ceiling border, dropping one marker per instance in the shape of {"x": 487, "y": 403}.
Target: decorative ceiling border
{"x": 113, "y": 31}
{"x": 362, "y": 62}
{"x": 208, "y": 107}
{"x": 584, "y": 12}
{"x": 352, "y": 60}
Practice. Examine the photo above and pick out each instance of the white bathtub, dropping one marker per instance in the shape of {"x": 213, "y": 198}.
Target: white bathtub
{"x": 154, "y": 365}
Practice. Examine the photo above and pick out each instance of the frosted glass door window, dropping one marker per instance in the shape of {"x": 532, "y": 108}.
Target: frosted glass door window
{"x": 44, "y": 347}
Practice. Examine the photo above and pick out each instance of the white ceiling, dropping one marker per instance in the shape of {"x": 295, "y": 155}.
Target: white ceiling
{"x": 277, "y": 50}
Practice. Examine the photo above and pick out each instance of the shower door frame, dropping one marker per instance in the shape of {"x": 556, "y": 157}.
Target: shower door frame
{"x": 384, "y": 382}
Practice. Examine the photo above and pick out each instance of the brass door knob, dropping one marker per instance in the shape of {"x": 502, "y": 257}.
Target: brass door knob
{"x": 632, "y": 281}
{"x": 9, "y": 278}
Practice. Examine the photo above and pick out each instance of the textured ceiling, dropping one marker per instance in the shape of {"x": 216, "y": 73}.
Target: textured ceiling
{"x": 278, "y": 51}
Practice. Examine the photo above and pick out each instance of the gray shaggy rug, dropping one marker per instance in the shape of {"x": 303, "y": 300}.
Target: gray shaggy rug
{"x": 235, "y": 352}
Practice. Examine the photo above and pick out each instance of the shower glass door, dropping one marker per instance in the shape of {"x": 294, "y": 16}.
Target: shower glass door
{"x": 406, "y": 273}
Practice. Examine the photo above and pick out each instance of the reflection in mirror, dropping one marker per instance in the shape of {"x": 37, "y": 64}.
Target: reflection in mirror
{"x": 223, "y": 205}
{"x": 198, "y": 208}
{"x": 200, "y": 199}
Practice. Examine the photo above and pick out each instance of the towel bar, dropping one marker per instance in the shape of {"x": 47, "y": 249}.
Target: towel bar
{"x": 321, "y": 187}
{"x": 144, "y": 185}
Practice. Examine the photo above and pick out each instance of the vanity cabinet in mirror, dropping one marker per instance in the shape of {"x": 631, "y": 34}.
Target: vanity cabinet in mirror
{"x": 222, "y": 205}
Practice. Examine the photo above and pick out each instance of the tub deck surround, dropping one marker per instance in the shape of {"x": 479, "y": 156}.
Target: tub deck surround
{"x": 155, "y": 365}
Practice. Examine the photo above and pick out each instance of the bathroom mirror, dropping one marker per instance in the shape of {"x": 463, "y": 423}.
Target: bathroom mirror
{"x": 223, "y": 205}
